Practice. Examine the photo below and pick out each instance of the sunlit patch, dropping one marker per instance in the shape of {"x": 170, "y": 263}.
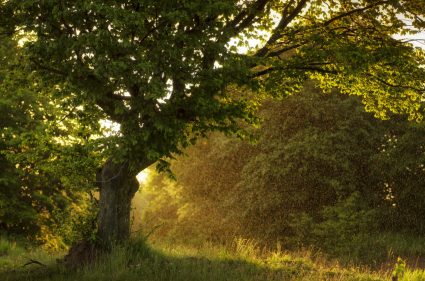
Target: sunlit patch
{"x": 109, "y": 127}
{"x": 142, "y": 176}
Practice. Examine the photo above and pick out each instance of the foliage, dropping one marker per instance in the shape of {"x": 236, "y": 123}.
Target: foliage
{"x": 162, "y": 69}
{"x": 193, "y": 208}
{"x": 307, "y": 150}
{"x": 158, "y": 214}
{"x": 344, "y": 230}
{"x": 399, "y": 268}
{"x": 168, "y": 73}
{"x": 41, "y": 138}
{"x": 313, "y": 153}
{"x": 313, "y": 178}
{"x": 8, "y": 247}
{"x": 401, "y": 174}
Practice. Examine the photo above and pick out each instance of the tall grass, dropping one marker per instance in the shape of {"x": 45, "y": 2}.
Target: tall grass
{"x": 9, "y": 251}
{"x": 246, "y": 261}
{"x": 415, "y": 275}
{"x": 381, "y": 250}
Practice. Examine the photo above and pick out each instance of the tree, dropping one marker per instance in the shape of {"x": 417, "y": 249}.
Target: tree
{"x": 314, "y": 155}
{"x": 314, "y": 150}
{"x": 40, "y": 138}
{"x": 162, "y": 69}
{"x": 323, "y": 172}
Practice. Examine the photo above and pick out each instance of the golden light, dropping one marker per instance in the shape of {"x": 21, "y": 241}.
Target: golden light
{"x": 142, "y": 176}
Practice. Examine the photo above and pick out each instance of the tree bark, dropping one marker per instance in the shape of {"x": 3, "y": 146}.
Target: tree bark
{"x": 118, "y": 185}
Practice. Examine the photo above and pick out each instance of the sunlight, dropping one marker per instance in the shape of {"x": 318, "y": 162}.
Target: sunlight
{"x": 142, "y": 176}
{"x": 110, "y": 128}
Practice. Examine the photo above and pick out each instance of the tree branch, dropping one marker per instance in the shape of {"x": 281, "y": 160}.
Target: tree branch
{"x": 246, "y": 17}
{"x": 380, "y": 80}
{"x": 349, "y": 13}
{"x": 285, "y": 49}
{"x": 304, "y": 68}
{"x": 151, "y": 31}
{"x": 31, "y": 261}
{"x": 284, "y": 22}
{"x": 121, "y": 98}
{"x": 48, "y": 68}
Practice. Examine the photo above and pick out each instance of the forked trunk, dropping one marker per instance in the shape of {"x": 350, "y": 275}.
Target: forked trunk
{"x": 118, "y": 186}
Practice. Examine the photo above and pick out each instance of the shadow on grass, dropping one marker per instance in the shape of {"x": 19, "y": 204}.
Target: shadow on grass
{"x": 139, "y": 262}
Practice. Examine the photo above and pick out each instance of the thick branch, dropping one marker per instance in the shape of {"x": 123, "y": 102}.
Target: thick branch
{"x": 108, "y": 106}
{"x": 285, "y": 49}
{"x": 280, "y": 68}
{"x": 284, "y": 22}
{"x": 105, "y": 97}
{"x": 246, "y": 17}
{"x": 121, "y": 98}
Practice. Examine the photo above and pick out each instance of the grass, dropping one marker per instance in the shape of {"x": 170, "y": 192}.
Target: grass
{"x": 405, "y": 245}
{"x": 136, "y": 261}
{"x": 245, "y": 261}
{"x": 380, "y": 251}
{"x": 415, "y": 275}
{"x": 13, "y": 257}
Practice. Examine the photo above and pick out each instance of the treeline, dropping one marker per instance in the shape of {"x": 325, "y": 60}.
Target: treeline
{"x": 323, "y": 173}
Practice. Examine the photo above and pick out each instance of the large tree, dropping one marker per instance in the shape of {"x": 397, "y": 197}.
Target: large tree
{"x": 163, "y": 69}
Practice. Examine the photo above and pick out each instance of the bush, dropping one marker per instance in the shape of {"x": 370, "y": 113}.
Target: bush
{"x": 346, "y": 230}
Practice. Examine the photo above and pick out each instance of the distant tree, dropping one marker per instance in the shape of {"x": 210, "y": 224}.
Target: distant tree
{"x": 322, "y": 171}
{"x": 162, "y": 69}
{"x": 313, "y": 151}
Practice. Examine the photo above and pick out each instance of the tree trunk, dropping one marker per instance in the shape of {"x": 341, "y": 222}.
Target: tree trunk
{"x": 118, "y": 184}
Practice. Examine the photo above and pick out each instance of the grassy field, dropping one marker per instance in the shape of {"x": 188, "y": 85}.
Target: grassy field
{"x": 136, "y": 261}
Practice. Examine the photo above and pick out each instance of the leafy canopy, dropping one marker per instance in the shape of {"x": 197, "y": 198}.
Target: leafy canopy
{"x": 41, "y": 137}
{"x": 163, "y": 69}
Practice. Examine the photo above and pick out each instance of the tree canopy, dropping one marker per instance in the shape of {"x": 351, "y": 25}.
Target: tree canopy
{"x": 162, "y": 69}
